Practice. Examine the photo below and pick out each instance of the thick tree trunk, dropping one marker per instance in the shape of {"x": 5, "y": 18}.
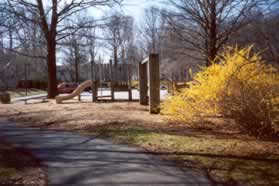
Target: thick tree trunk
{"x": 50, "y": 36}
{"x": 76, "y": 51}
{"x": 115, "y": 55}
{"x": 212, "y": 48}
{"x": 51, "y": 63}
{"x": 76, "y": 70}
{"x": 212, "y": 43}
{"x": 212, "y": 52}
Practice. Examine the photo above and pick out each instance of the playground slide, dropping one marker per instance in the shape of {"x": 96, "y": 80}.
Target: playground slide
{"x": 77, "y": 92}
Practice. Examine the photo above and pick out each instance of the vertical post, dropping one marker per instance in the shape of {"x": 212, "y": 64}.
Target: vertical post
{"x": 143, "y": 80}
{"x": 129, "y": 82}
{"x": 93, "y": 79}
{"x": 16, "y": 75}
{"x": 154, "y": 84}
{"x": 25, "y": 77}
{"x": 112, "y": 72}
{"x": 94, "y": 91}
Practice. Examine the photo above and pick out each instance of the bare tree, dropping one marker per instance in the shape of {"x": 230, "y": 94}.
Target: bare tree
{"x": 152, "y": 29}
{"x": 74, "y": 49}
{"x": 206, "y": 25}
{"x": 51, "y": 18}
{"x": 113, "y": 35}
{"x": 93, "y": 51}
{"x": 23, "y": 47}
{"x": 262, "y": 32}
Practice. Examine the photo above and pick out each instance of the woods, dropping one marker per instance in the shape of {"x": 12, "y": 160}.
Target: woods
{"x": 194, "y": 30}
{"x": 51, "y": 21}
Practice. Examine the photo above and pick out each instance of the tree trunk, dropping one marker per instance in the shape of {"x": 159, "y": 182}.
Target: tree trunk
{"x": 115, "y": 55}
{"x": 51, "y": 63}
{"x": 76, "y": 70}
{"x": 212, "y": 48}
{"x": 76, "y": 51}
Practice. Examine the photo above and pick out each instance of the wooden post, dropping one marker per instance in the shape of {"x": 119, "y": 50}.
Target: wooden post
{"x": 129, "y": 82}
{"x": 25, "y": 77}
{"x": 154, "y": 84}
{"x": 112, "y": 79}
{"x": 95, "y": 90}
{"x": 143, "y": 80}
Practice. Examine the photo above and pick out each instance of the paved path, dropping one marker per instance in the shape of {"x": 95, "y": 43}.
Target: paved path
{"x": 72, "y": 159}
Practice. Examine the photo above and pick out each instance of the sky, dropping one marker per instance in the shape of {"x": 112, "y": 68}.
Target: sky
{"x": 134, "y": 8}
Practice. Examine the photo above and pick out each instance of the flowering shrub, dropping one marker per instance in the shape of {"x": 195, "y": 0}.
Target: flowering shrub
{"x": 240, "y": 85}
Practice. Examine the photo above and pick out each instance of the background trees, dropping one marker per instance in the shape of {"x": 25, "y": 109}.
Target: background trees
{"x": 193, "y": 32}
{"x": 205, "y": 26}
{"x": 186, "y": 33}
{"x": 118, "y": 33}
{"x": 262, "y": 32}
{"x": 151, "y": 29}
{"x": 51, "y": 17}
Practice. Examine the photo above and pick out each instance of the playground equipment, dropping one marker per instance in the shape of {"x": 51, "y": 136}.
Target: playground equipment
{"x": 104, "y": 77}
{"x": 118, "y": 79}
{"x": 77, "y": 92}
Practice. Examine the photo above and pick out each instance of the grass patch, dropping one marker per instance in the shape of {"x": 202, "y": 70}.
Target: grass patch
{"x": 223, "y": 161}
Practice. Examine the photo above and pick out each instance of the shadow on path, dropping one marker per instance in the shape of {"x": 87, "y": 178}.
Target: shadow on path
{"x": 71, "y": 159}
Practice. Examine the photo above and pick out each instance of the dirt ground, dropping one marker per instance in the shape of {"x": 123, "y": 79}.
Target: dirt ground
{"x": 216, "y": 147}
{"x": 73, "y": 115}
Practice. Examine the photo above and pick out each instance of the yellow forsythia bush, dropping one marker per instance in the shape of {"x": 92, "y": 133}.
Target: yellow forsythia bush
{"x": 240, "y": 86}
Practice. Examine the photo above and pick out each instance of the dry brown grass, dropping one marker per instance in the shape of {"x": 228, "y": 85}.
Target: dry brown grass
{"x": 216, "y": 147}
{"x": 79, "y": 115}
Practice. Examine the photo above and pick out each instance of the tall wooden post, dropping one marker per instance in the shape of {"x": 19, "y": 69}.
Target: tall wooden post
{"x": 94, "y": 90}
{"x": 129, "y": 82}
{"x": 154, "y": 84}
{"x": 94, "y": 86}
{"x": 143, "y": 80}
{"x": 113, "y": 75}
{"x": 25, "y": 77}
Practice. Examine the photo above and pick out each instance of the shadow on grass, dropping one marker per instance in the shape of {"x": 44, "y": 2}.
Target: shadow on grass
{"x": 227, "y": 169}
{"x": 220, "y": 168}
{"x": 18, "y": 165}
